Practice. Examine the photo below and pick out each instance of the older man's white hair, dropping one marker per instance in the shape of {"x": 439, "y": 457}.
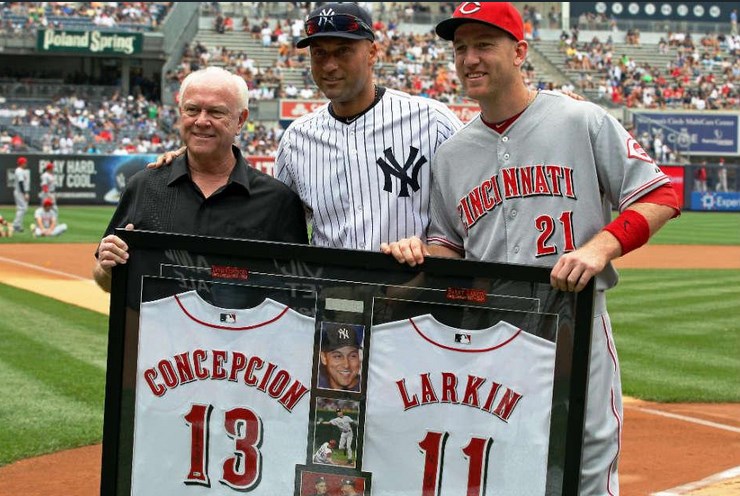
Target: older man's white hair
{"x": 218, "y": 72}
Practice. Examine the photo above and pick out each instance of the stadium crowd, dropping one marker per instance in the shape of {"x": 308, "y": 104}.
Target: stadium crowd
{"x": 25, "y": 18}
{"x": 702, "y": 75}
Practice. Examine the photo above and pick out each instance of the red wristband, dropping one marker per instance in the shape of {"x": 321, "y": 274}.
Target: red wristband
{"x": 631, "y": 229}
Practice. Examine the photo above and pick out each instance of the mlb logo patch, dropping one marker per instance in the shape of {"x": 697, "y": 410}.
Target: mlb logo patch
{"x": 228, "y": 318}
{"x": 461, "y": 338}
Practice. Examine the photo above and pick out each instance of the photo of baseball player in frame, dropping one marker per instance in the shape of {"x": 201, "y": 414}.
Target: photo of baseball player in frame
{"x": 310, "y": 270}
{"x": 340, "y": 356}
{"x": 315, "y": 481}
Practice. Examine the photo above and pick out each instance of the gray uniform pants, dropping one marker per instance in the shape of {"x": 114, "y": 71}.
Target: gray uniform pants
{"x": 21, "y": 205}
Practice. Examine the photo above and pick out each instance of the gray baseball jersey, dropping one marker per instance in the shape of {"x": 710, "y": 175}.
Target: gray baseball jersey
{"x": 48, "y": 180}
{"x": 367, "y": 181}
{"x": 543, "y": 188}
{"x": 22, "y": 187}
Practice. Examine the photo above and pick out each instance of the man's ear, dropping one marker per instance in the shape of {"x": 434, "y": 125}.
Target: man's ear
{"x": 243, "y": 119}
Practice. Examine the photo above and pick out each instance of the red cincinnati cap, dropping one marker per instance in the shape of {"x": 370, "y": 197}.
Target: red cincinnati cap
{"x": 49, "y": 166}
{"x": 502, "y": 15}
{"x": 48, "y": 201}
{"x": 21, "y": 160}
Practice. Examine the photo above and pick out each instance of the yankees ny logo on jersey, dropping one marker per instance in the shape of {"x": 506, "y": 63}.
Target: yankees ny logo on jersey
{"x": 401, "y": 172}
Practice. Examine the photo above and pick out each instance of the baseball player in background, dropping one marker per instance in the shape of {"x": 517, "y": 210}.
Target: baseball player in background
{"x": 21, "y": 192}
{"x": 344, "y": 424}
{"x": 323, "y": 454}
{"x": 523, "y": 194}
{"x": 360, "y": 163}
{"x": 6, "y": 228}
{"x": 48, "y": 185}
{"x": 46, "y": 220}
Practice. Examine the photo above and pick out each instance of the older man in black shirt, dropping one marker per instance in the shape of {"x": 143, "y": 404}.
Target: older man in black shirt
{"x": 211, "y": 190}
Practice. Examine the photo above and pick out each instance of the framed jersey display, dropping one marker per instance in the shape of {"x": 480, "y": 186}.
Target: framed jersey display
{"x": 268, "y": 368}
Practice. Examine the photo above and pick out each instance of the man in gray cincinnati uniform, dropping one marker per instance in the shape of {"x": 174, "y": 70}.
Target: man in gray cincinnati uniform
{"x": 360, "y": 163}
{"x": 540, "y": 175}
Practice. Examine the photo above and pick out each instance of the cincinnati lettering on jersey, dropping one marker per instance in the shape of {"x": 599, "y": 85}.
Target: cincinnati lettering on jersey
{"x": 474, "y": 394}
{"x": 515, "y": 182}
{"x": 219, "y": 365}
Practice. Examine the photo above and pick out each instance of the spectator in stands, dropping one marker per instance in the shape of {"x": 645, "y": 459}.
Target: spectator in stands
{"x": 218, "y": 24}
{"x": 733, "y": 22}
{"x": 210, "y": 190}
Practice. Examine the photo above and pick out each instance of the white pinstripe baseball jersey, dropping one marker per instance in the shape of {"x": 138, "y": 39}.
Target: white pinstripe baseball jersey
{"x": 367, "y": 181}
{"x": 452, "y": 411}
{"x": 222, "y": 398}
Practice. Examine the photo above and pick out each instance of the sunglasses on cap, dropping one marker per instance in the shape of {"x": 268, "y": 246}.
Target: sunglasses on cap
{"x": 338, "y": 23}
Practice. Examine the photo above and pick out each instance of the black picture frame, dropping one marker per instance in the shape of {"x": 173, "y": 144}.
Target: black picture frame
{"x": 265, "y": 267}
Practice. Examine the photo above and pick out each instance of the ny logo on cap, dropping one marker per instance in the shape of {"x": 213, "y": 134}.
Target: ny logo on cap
{"x": 325, "y": 16}
{"x": 343, "y": 333}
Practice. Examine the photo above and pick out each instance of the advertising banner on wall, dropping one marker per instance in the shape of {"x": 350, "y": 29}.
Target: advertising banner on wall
{"x": 89, "y": 42}
{"x": 88, "y": 179}
{"x": 716, "y": 201}
{"x": 676, "y": 173}
{"x": 693, "y": 133}
{"x": 291, "y": 110}
{"x": 80, "y": 179}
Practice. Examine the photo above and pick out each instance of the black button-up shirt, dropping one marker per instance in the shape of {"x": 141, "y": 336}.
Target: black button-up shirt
{"x": 252, "y": 205}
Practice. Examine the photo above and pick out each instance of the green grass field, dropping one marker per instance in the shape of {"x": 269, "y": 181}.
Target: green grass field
{"x": 86, "y": 225}
{"x": 677, "y": 332}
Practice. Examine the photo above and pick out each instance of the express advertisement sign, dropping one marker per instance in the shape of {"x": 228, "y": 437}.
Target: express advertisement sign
{"x": 716, "y": 201}
{"x": 693, "y": 133}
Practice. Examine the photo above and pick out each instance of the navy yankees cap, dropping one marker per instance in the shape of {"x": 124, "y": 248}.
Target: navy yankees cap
{"x": 338, "y": 20}
{"x": 335, "y": 335}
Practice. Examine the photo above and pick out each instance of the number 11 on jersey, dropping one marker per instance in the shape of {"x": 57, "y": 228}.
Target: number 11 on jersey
{"x": 476, "y": 452}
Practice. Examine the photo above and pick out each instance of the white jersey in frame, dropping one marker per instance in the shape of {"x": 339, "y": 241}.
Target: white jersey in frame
{"x": 450, "y": 411}
{"x": 222, "y": 397}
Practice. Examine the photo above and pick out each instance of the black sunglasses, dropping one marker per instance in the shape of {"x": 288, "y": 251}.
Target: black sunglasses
{"x": 338, "y": 23}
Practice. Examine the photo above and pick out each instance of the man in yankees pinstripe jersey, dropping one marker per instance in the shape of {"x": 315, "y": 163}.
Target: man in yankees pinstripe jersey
{"x": 361, "y": 162}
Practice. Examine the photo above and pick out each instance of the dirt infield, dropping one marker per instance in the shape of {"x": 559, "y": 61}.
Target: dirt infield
{"x": 667, "y": 449}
